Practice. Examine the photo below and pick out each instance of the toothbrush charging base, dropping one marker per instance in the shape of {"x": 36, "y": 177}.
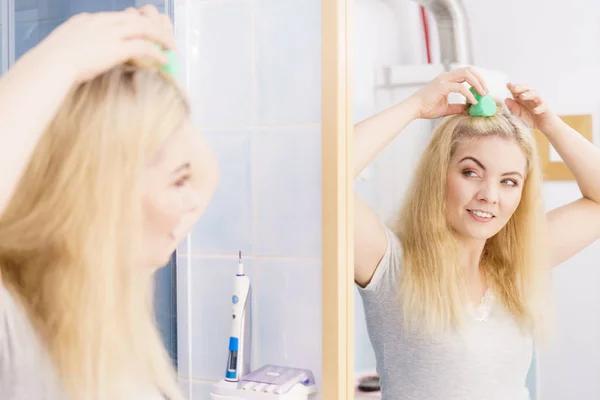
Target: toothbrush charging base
{"x": 225, "y": 390}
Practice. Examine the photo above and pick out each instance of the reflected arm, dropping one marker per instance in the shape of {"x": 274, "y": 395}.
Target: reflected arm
{"x": 370, "y": 138}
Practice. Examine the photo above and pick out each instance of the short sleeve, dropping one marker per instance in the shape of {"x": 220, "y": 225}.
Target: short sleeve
{"x": 387, "y": 274}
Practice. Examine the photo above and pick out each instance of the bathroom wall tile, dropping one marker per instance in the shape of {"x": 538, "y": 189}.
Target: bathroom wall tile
{"x": 181, "y": 32}
{"x": 186, "y": 388}
{"x": 288, "y": 58}
{"x": 29, "y": 34}
{"x": 35, "y": 10}
{"x": 159, "y": 4}
{"x": 183, "y": 318}
{"x": 211, "y": 288}
{"x": 183, "y": 249}
{"x": 165, "y": 305}
{"x": 226, "y": 226}
{"x": 74, "y": 7}
{"x": 220, "y": 54}
{"x": 201, "y": 390}
{"x": 287, "y": 176}
{"x": 288, "y": 302}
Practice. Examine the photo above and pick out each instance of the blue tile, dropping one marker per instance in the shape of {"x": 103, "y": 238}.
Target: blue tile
{"x": 186, "y": 388}
{"x": 39, "y": 10}
{"x": 1, "y": 47}
{"x": 200, "y": 390}
{"x": 183, "y": 247}
{"x": 183, "y": 318}
{"x": 219, "y": 52}
{"x": 287, "y": 163}
{"x": 288, "y": 306}
{"x": 226, "y": 226}
{"x": 78, "y": 6}
{"x": 43, "y": 10}
{"x": 288, "y": 57}
{"x": 181, "y": 39}
{"x": 29, "y": 34}
{"x": 165, "y": 306}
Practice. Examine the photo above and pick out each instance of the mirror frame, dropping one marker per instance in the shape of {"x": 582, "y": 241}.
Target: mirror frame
{"x": 337, "y": 201}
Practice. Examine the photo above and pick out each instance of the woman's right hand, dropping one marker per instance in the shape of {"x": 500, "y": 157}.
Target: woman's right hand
{"x": 431, "y": 101}
{"x": 90, "y": 44}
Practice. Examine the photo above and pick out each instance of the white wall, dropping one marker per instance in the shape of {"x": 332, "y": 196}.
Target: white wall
{"x": 253, "y": 68}
{"x": 551, "y": 46}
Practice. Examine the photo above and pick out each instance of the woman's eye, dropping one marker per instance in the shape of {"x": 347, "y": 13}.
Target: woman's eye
{"x": 510, "y": 182}
{"x": 469, "y": 173}
{"x": 183, "y": 181}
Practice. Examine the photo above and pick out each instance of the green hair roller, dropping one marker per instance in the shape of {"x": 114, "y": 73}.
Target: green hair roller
{"x": 485, "y": 107}
{"x": 172, "y": 67}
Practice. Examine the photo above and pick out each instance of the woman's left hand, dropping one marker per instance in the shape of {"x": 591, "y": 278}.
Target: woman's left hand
{"x": 529, "y": 106}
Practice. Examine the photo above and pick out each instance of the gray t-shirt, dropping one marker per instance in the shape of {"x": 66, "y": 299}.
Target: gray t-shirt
{"x": 26, "y": 372}
{"x": 488, "y": 359}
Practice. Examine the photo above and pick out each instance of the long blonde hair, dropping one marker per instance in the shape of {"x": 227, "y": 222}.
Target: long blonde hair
{"x": 433, "y": 282}
{"x": 70, "y": 238}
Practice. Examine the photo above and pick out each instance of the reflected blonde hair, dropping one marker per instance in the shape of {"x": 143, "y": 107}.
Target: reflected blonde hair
{"x": 433, "y": 286}
{"x": 70, "y": 238}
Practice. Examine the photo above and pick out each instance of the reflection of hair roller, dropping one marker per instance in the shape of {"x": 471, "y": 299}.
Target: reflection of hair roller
{"x": 485, "y": 107}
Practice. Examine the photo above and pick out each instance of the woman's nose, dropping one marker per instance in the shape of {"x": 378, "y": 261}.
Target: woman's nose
{"x": 488, "y": 193}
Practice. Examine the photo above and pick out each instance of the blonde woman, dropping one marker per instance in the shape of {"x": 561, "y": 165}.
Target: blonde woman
{"x": 102, "y": 174}
{"x": 455, "y": 290}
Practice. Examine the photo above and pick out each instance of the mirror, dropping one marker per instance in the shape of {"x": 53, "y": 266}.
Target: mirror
{"x": 398, "y": 48}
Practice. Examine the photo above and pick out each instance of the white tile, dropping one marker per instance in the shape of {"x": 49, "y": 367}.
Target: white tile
{"x": 226, "y": 226}
{"x": 28, "y": 11}
{"x": 219, "y": 55}
{"x": 121, "y": 4}
{"x": 287, "y": 176}
{"x": 288, "y": 59}
{"x": 183, "y": 321}
{"x": 183, "y": 247}
{"x": 288, "y": 305}
{"x": 211, "y": 290}
{"x": 181, "y": 31}
{"x": 29, "y": 34}
{"x": 185, "y": 386}
{"x": 201, "y": 390}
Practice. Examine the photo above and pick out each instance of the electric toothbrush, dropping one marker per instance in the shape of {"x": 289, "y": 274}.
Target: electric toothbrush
{"x": 240, "y": 342}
